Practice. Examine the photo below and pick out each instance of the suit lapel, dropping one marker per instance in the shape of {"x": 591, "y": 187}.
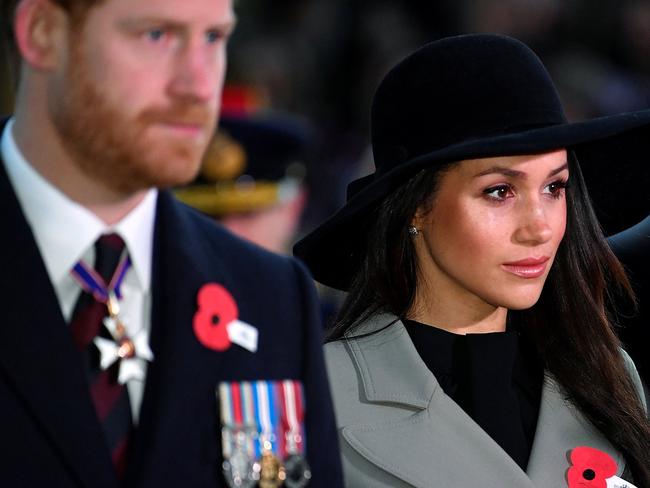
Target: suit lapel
{"x": 38, "y": 356}
{"x": 183, "y": 375}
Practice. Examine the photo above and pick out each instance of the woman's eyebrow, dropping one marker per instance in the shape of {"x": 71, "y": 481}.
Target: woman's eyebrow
{"x": 559, "y": 170}
{"x": 513, "y": 173}
{"x": 503, "y": 171}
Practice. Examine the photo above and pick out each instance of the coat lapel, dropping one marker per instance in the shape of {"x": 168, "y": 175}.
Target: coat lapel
{"x": 438, "y": 446}
{"x": 38, "y": 356}
{"x": 439, "y": 441}
{"x": 183, "y": 375}
{"x": 560, "y": 429}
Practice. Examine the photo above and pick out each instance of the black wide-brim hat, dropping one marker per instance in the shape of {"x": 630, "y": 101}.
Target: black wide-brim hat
{"x": 477, "y": 96}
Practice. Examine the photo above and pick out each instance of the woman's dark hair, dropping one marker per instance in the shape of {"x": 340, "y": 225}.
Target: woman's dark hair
{"x": 569, "y": 324}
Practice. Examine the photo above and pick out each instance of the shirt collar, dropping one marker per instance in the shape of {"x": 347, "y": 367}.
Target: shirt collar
{"x": 63, "y": 229}
{"x": 137, "y": 231}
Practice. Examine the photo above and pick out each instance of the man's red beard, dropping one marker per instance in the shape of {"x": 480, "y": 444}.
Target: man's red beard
{"x": 117, "y": 150}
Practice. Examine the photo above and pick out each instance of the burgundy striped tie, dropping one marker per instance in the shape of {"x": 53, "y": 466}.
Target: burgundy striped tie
{"x": 111, "y": 399}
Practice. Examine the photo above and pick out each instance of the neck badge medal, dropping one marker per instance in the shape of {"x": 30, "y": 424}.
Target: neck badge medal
{"x": 130, "y": 350}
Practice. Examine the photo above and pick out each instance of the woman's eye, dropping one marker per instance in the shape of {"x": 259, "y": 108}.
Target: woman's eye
{"x": 556, "y": 189}
{"x": 499, "y": 193}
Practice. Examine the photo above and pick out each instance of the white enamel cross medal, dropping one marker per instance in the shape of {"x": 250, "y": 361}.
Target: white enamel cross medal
{"x": 131, "y": 352}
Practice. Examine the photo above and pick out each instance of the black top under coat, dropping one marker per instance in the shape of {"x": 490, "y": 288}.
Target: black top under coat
{"x": 496, "y": 378}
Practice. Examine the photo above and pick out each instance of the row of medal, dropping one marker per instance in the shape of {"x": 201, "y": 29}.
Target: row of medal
{"x": 262, "y": 430}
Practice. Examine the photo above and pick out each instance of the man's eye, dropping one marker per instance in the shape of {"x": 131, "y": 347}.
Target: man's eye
{"x": 155, "y": 34}
{"x": 213, "y": 36}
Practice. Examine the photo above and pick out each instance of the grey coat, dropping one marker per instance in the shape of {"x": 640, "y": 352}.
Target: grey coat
{"x": 398, "y": 429}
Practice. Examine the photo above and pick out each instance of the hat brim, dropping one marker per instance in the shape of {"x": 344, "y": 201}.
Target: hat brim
{"x": 611, "y": 152}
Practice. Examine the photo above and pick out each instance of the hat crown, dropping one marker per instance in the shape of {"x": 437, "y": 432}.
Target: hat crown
{"x": 456, "y": 90}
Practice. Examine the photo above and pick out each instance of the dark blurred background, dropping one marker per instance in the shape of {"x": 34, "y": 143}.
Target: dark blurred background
{"x": 322, "y": 59}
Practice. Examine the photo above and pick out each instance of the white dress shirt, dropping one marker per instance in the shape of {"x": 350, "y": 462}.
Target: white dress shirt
{"x": 65, "y": 232}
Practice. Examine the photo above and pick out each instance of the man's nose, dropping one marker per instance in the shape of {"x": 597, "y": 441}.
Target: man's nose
{"x": 534, "y": 227}
{"x": 197, "y": 75}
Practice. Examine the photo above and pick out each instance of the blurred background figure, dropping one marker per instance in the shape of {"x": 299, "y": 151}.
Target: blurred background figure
{"x": 252, "y": 175}
{"x": 254, "y": 178}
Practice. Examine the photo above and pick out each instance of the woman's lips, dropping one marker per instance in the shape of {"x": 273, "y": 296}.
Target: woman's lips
{"x": 527, "y": 268}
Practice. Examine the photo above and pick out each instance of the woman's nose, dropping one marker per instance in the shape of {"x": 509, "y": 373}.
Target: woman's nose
{"x": 534, "y": 226}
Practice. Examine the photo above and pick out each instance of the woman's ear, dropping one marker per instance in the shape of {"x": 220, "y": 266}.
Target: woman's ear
{"x": 39, "y": 28}
{"x": 418, "y": 218}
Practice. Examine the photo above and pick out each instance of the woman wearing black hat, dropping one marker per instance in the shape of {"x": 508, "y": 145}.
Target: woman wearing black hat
{"x": 474, "y": 348}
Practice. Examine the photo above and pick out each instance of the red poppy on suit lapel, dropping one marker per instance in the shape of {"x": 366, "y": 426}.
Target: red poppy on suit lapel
{"x": 216, "y": 309}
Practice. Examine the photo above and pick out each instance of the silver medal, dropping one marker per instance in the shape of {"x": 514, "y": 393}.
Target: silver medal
{"x": 239, "y": 469}
{"x": 297, "y": 472}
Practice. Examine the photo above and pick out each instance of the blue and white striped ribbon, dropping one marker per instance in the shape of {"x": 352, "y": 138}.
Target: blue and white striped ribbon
{"x": 266, "y": 414}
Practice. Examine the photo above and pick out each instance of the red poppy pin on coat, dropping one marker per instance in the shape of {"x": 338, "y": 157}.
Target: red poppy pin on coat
{"x": 592, "y": 468}
{"x": 216, "y": 321}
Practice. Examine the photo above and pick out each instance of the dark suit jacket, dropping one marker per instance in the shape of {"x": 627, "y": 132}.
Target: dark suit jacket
{"x": 632, "y": 247}
{"x": 49, "y": 434}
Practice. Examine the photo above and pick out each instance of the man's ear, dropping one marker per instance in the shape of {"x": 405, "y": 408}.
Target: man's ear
{"x": 39, "y": 28}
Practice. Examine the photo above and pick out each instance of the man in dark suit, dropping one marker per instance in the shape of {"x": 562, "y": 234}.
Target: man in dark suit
{"x": 632, "y": 247}
{"x": 178, "y": 382}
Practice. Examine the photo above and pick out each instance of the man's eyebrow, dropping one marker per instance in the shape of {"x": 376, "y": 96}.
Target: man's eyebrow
{"x": 141, "y": 22}
{"x": 512, "y": 173}
{"x": 226, "y": 27}
{"x": 144, "y": 23}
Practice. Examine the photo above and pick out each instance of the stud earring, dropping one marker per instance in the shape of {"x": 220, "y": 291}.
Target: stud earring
{"x": 413, "y": 231}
